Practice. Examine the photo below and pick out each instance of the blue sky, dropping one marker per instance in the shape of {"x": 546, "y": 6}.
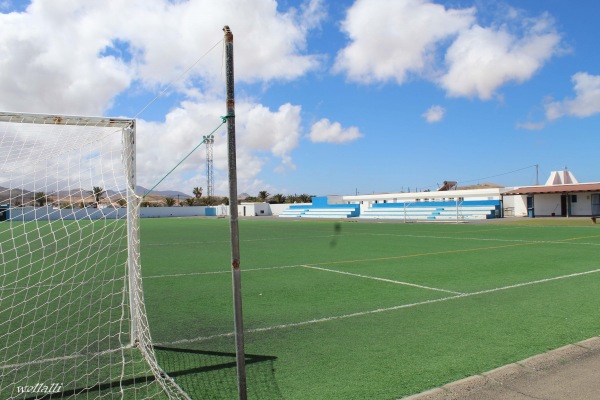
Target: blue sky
{"x": 332, "y": 97}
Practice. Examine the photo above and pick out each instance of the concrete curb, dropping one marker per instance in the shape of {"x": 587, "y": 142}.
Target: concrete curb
{"x": 516, "y": 381}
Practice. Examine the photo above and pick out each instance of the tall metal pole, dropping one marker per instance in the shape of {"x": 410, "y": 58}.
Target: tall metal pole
{"x": 233, "y": 218}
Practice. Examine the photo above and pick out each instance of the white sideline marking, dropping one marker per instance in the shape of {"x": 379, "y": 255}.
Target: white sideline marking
{"x": 379, "y": 310}
{"x": 381, "y": 279}
{"x": 560, "y": 241}
{"x": 227, "y": 241}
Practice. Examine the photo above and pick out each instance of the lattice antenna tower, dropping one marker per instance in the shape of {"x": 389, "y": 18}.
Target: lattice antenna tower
{"x": 209, "y": 141}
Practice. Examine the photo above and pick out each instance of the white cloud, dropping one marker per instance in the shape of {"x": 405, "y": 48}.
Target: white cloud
{"x": 434, "y": 114}
{"x": 51, "y": 63}
{"x": 261, "y": 134}
{"x": 74, "y": 57}
{"x": 531, "y": 126}
{"x": 267, "y": 131}
{"x": 414, "y": 36}
{"x": 325, "y": 131}
{"x": 483, "y": 59}
{"x": 586, "y": 102}
{"x": 390, "y": 39}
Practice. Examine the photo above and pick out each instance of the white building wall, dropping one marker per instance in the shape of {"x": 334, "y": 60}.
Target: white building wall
{"x": 450, "y": 195}
{"x": 583, "y": 206}
{"x": 520, "y": 205}
{"x": 547, "y": 204}
{"x": 254, "y": 210}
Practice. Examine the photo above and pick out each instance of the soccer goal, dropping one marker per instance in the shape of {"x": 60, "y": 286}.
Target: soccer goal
{"x": 72, "y": 315}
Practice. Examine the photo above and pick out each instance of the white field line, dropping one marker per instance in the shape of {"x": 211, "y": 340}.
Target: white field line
{"x": 381, "y": 279}
{"x": 63, "y": 358}
{"x": 219, "y": 272}
{"x": 568, "y": 241}
{"x": 227, "y": 241}
{"x": 379, "y": 310}
{"x": 313, "y": 321}
{"x": 561, "y": 241}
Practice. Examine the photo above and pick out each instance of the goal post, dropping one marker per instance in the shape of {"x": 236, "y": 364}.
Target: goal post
{"x": 72, "y": 312}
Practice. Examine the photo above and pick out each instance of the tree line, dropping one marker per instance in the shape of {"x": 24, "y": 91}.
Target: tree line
{"x": 262, "y": 197}
{"x": 97, "y": 193}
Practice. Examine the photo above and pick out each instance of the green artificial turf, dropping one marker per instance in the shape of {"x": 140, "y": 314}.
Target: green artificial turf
{"x": 332, "y": 309}
{"x": 340, "y": 310}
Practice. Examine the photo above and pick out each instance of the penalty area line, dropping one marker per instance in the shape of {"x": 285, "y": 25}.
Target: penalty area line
{"x": 379, "y": 310}
{"x": 381, "y": 279}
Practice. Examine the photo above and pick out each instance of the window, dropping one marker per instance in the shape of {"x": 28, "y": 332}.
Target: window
{"x": 573, "y": 198}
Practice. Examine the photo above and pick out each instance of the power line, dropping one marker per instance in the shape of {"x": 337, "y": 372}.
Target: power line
{"x": 177, "y": 79}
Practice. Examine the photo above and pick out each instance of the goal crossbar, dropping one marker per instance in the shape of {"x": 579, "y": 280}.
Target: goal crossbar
{"x": 65, "y": 120}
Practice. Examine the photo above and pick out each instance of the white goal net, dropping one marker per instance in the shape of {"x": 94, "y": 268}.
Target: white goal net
{"x": 72, "y": 316}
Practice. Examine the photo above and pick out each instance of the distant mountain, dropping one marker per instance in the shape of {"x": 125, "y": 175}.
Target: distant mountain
{"x": 21, "y": 196}
{"x": 140, "y": 190}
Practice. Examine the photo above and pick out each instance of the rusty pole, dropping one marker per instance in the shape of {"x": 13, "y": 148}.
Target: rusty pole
{"x": 233, "y": 218}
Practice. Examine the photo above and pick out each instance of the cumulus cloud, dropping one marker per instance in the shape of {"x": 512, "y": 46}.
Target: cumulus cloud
{"x": 402, "y": 40}
{"x": 79, "y": 57}
{"x": 482, "y": 59}
{"x": 585, "y": 103}
{"x": 434, "y": 114}
{"x": 51, "y": 64}
{"x": 76, "y": 57}
{"x": 261, "y": 135}
{"x": 444, "y": 45}
{"x": 323, "y": 131}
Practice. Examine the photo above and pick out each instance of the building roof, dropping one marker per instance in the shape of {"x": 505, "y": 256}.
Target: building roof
{"x": 565, "y": 177}
{"x": 574, "y": 188}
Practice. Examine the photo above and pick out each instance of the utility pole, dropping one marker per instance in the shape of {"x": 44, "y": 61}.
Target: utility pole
{"x": 233, "y": 218}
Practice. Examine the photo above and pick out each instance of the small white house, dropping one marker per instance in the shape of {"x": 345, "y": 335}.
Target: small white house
{"x": 254, "y": 210}
{"x": 562, "y": 195}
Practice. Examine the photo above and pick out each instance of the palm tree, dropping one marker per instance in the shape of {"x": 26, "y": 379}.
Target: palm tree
{"x": 97, "y": 192}
{"x": 263, "y": 195}
{"x": 41, "y": 198}
{"x": 190, "y": 201}
{"x": 278, "y": 198}
{"x": 305, "y": 198}
{"x": 197, "y": 192}
{"x": 169, "y": 201}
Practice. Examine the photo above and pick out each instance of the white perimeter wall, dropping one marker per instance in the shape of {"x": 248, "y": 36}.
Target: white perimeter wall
{"x": 52, "y": 214}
